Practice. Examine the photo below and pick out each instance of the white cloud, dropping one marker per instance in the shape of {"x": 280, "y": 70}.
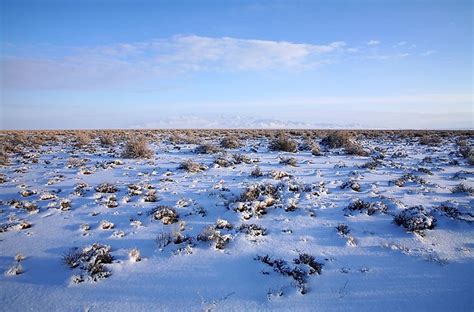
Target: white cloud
{"x": 121, "y": 63}
{"x": 401, "y": 43}
{"x": 428, "y": 53}
{"x": 373, "y": 42}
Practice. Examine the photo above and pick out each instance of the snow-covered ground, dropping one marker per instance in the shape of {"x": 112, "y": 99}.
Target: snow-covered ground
{"x": 371, "y": 263}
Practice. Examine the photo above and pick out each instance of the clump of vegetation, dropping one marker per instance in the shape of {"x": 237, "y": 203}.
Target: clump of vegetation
{"x": 279, "y": 174}
{"x": 355, "y": 148}
{"x": 337, "y": 139}
{"x": 207, "y": 149}
{"x": 166, "y": 214}
{"x": 106, "y": 188}
{"x": 253, "y": 229}
{"x": 4, "y": 159}
{"x": 415, "y": 219}
{"x": 106, "y": 225}
{"x": 316, "y": 150}
{"x": 16, "y": 268}
{"x": 135, "y": 255}
{"x": 90, "y": 261}
{"x": 257, "y": 172}
{"x": 408, "y": 177}
{"x": 106, "y": 140}
{"x": 462, "y": 188}
{"x": 211, "y": 234}
{"x": 289, "y": 161}
{"x": 368, "y": 208}
{"x": 137, "y": 148}
{"x": 430, "y": 140}
{"x": 466, "y": 151}
{"x": 305, "y": 265}
{"x": 354, "y": 185}
{"x": 163, "y": 239}
{"x": 192, "y": 166}
{"x": 230, "y": 142}
{"x": 82, "y": 139}
{"x": 283, "y": 143}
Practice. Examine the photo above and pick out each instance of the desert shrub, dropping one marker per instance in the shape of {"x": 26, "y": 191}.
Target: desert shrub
{"x": 210, "y": 234}
{"x": 257, "y": 172}
{"x": 309, "y": 260}
{"x": 415, "y": 219}
{"x": 241, "y": 158}
{"x": 253, "y": 229}
{"x": 4, "y": 159}
{"x": 90, "y": 261}
{"x": 408, "y": 177}
{"x": 230, "y": 142}
{"x": 368, "y": 208}
{"x": 163, "y": 239}
{"x": 289, "y": 161}
{"x": 166, "y": 214}
{"x": 337, "y": 139}
{"x": 106, "y": 225}
{"x": 222, "y": 224}
{"x": 354, "y": 185}
{"x": 192, "y": 166}
{"x": 467, "y": 152}
{"x": 462, "y": 188}
{"x": 137, "y": 148}
{"x": 316, "y": 150}
{"x": 343, "y": 229}
{"x": 106, "y": 140}
{"x": 430, "y": 140}
{"x": 207, "y": 149}
{"x": 106, "y": 188}
{"x": 355, "y": 148}
{"x": 134, "y": 255}
{"x": 449, "y": 210}
{"x": 284, "y": 144}
{"x": 81, "y": 139}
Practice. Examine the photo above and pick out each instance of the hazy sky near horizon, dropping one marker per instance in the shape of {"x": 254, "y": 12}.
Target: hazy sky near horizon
{"x": 187, "y": 64}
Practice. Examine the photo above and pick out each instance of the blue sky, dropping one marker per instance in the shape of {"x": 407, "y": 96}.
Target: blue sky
{"x": 122, "y": 64}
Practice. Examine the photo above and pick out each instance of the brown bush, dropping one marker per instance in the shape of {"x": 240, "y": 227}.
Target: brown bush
{"x": 137, "y": 148}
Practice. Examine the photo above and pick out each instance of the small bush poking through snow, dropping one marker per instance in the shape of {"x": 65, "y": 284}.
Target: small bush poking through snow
{"x": 191, "y": 166}
{"x": 106, "y": 188}
{"x": 415, "y": 219}
{"x": 89, "y": 260}
{"x": 137, "y": 148}
{"x": 134, "y": 255}
{"x": 166, "y": 214}
{"x": 315, "y": 267}
{"x": 367, "y": 207}
{"x": 289, "y": 161}
{"x": 163, "y": 239}
{"x": 253, "y": 229}
{"x": 462, "y": 188}
{"x": 106, "y": 225}
{"x": 337, "y": 139}
{"x": 257, "y": 172}
{"x": 210, "y": 234}
{"x": 284, "y": 144}
{"x": 207, "y": 149}
{"x": 230, "y": 142}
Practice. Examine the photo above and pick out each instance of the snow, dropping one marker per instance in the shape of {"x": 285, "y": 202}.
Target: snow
{"x": 377, "y": 266}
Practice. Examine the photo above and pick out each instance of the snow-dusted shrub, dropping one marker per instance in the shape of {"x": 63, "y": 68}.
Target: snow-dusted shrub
{"x": 15, "y": 269}
{"x": 283, "y": 143}
{"x": 425, "y": 171}
{"x": 191, "y": 166}
{"x": 163, "y": 239}
{"x": 354, "y": 185}
{"x": 230, "y": 142}
{"x": 343, "y": 229}
{"x": 430, "y": 140}
{"x": 448, "y": 210}
{"x": 210, "y": 234}
{"x": 355, "y": 148}
{"x": 316, "y": 150}
{"x": 137, "y": 148}
{"x": 415, "y": 219}
{"x": 408, "y": 177}
{"x": 4, "y": 157}
{"x": 106, "y": 225}
{"x": 462, "y": 188}
{"x": 337, "y": 139}
{"x": 111, "y": 202}
{"x": 257, "y": 172}
{"x": 241, "y": 158}
{"x": 134, "y": 255}
{"x": 90, "y": 261}
{"x": 368, "y": 208}
{"x": 289, "y": 161}
{"x": 106, "y": 140}
{"x": 65, "y": 204}
{"x": 279, "y": 174}
{"x": 81, "y": 139}
{"x": 106, "y": 188}
{"x": 222, "y": 224}
{"x": 207, "y": 149}
{"x": 166, "y": 214}
{"x": 253, "y": 229}
{"x": 314, "y": 266}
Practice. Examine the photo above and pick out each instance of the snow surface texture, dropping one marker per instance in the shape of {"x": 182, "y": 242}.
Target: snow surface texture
{"x": 326, "y": 233}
